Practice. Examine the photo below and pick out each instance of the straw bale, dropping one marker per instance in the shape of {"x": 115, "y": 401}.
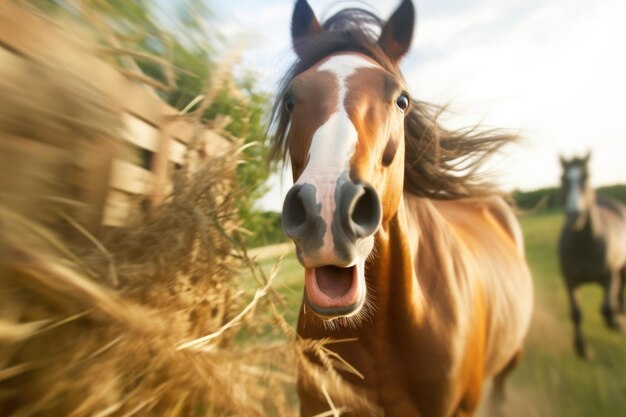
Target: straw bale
{"x": 56, "y": 129}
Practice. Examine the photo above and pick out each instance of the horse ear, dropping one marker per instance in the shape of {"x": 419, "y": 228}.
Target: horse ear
{"x": 397, "y": 34}
{"x": 587, "y": 157}
{"x": 562, "y": 160}
{"x": 304, "y": 24}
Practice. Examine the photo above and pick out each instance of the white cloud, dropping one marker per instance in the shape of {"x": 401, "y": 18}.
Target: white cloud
{"x": 555, "y": 72}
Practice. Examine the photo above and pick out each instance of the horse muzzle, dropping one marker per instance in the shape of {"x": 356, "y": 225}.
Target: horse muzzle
{"x": 333, "y": 228}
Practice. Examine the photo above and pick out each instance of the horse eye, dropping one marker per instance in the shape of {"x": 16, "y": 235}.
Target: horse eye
{"x": 289, "y": 104}
{"x": 402, "y": 102}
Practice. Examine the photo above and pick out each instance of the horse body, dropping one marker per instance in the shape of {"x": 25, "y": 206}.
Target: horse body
{"x": 441, "y": 334}
{"x": 488, "y": 232}
{"x": 599, "y": 246}
{"x": 405, "y": 251}
{"x": 592, "y": 247}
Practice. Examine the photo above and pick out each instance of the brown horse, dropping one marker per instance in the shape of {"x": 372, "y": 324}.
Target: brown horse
{"x": 592, "y": 247}
{"x": 404, "y": 249}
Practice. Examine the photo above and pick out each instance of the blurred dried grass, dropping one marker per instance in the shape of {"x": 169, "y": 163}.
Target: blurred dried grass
{"x": 95, "y": 326}
{"x": 92, "y": 327}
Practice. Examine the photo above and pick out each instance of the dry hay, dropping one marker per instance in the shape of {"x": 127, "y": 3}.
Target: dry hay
{"x": 96, "y": 327}
{"x": 72, "y": 344}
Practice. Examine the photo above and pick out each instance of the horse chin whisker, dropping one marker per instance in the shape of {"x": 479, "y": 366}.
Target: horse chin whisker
{"x": 348, "y": 322}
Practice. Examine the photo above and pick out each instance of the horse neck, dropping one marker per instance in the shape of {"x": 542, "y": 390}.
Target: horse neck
{"x": 391, "y": 270}
{"x": 417, "y": 266}
{"x": 420, "y": 264}
{"x": 592, "y": 222}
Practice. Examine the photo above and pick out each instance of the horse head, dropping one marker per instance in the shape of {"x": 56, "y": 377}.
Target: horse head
{"x": 576, "y": 193}
{"x": 343, "y": 115}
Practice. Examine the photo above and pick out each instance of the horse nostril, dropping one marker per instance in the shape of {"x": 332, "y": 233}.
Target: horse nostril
{"x": 298, "y": 210}
{"x": 366, "y": 212}
{"x": 294, "y": 212}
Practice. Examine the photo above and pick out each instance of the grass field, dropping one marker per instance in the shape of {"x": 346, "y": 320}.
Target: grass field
{"x": 551, "y": 381}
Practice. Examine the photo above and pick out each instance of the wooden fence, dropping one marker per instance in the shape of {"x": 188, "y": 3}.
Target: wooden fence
{"x": 150, "y": 126}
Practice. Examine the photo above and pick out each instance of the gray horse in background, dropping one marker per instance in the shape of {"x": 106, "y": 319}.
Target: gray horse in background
{"x": 592, "y": 246}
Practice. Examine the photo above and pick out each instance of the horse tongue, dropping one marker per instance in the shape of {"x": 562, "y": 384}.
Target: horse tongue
{"x": 334, "y": 281}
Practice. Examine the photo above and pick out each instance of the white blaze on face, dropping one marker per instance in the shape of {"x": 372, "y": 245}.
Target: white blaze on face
{"x": 333, "y": 143}
{"x": 574, "y": 198}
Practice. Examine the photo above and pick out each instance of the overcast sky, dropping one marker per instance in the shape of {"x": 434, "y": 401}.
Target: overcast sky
{"x": 554, "y": 71}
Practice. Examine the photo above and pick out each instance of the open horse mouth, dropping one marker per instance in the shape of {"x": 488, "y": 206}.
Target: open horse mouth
{"x": 332, "y": 291}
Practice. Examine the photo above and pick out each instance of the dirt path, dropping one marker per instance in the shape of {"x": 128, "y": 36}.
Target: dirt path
{"x": 271, "y": 251}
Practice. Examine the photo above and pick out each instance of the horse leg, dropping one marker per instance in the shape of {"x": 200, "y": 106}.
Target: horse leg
{"x": 610, "y": 304}
{"x": 498, "y": 392}
{"x": 576, "y": 316}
